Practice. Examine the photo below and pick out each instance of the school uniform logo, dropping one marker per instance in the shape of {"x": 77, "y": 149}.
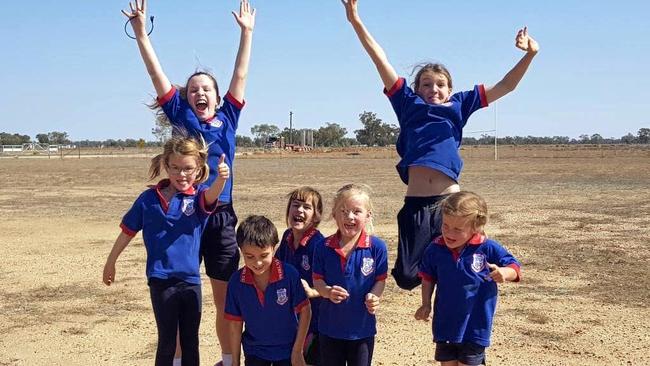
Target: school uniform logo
{"x": 368, "y": 266}
{"x": 216, "y": 123}
{"x": 478, "y": 262}
{"x": 305, "y": 262}
{"x": 282, "y": 296}
{"x": 188, "y": 206}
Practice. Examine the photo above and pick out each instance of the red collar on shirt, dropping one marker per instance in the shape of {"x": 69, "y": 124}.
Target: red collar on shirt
{"x": 277, "y": 273}
{"x": 162, "y": 185}
{"x": 306, "y": 236}
{"x": 334, "y": 241}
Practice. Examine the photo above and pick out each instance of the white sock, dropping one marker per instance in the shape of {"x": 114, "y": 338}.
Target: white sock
{"x": 177, "y": 362}
{"x": 226, "y": 358}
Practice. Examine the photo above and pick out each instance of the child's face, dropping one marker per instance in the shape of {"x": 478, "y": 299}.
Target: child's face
{"x": 351, "y": 216}
{"x": 257, "y": 259}
{"x": 301, "y": 215}
{"x": 202, "y": 96}
{"x": 456, "y": 231}
{"x": 434, "y": 88}
{"x": 182, "y": 171}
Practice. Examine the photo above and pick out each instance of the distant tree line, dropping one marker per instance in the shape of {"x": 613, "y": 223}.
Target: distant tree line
{"x": 374, "y": 132}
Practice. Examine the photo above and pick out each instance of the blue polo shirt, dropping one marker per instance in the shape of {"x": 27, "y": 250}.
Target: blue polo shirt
{"x": 302, "y": 259}
{"x": 270, "y": 317}
{"x": 431, "y": 134}
{"x": 465, "y": 301}
{"x": 218, "y": 132}
{"x": 365, "y": 265}
{"x": 171, "y": 230}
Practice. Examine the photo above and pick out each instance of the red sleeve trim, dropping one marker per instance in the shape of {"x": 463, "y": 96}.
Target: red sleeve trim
{"x": 381, "y": 277}
{"x": 234, "y": 101}
{"x": 393, "y": 89}
{"x": 233, "y": 317}
{"x": 167, "y": 97}
{"x": 317, "y": 276}
{"x": 481, "y": 92}
{"x": 517, "y": 269}
{"x": 426, "y": 277}
{"x": 301, "y": 306}
{"x": 127, "y": 231}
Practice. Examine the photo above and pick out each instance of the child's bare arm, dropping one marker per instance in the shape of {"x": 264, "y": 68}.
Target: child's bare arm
{"x": 424, "y": 311}
{"x": 509, "y": 82}
{"x": 121, "y": 242}
{"x": 297, "y": 357}
{"x": 335, "y": 294}
{"x": 138, "y": 19}
{"x": 235, "y": 328}
{"x": 502, "y": 274}
{"x": 377, "y": 55}
{"x": 310, "y": 292}
{"x": 246, "y": 21}
{"x": 212, "y": 193}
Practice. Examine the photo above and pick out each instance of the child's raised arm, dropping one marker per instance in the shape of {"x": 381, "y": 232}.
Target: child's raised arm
{"x": 212, "y": 193}
{"x": 509, "y": 82}
{"x": 246, "y": 21}
{"x": 138, "y": 19}
{"x": 386, "y": 71}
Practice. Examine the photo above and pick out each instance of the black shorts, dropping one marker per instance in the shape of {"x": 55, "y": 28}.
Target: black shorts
{"x": 418, "y": 223}
{"x": 468, "y": 353}
{"x": 312, "y": 349}
{"x": 219, "y": 248}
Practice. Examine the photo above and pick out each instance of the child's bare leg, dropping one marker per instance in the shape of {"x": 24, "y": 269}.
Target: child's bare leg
{"x": 219, "y": 297}
{"x": 450, "y": 363}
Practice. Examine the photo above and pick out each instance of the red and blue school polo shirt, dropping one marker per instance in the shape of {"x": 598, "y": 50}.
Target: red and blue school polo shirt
{"x": 171, "y": 231}
{"x": 466, "y": 298}
{"x": 270, "y": 317}
{"x": 431, "y": 134}
{"x": 219, "y": 132}
{"x": 366, "y": 264}
{"x": 302, "y": 259}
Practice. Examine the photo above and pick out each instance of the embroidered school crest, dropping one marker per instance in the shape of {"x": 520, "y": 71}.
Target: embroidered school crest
{"x": 216, "y": 123}
{"x": 305, "y": 262}
{"x": 282, "y": 296}
{"x": 188, "y": 206}
{"x": 478, "y": 262}
{"x": 368, "y": 266}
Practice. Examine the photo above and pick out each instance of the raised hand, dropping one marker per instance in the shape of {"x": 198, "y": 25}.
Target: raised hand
{"x": 137, "y": 16}
{"x": 350, "y": 9}
{"x": 525, "y": 42}
{"x": 222, "y": 167}
{"x": 246, "y": 16}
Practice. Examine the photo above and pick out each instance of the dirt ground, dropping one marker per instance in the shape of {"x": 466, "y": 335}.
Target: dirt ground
{"x": 578, "y": 221}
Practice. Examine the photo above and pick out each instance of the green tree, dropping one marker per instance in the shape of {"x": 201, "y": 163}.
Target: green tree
{"x": 243, "y": 141}
{"x": 162, "y": 129}
{"x": 58, "y": 138}
{"x": 263, "y": 131}
{"x": 330, "y": 135}
{"x": 375, "y": 132}
{"x": 42, "y": 138}
{"x": 644, "y": 136}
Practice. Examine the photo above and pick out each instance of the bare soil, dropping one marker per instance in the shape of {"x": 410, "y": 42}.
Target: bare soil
{"x": 577, "y": 219}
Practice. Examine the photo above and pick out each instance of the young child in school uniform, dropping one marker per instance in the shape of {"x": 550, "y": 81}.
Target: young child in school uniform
{"x": 172, "y": 216}
{"x": 350, "y": 274}
{"x": 266, "y": 296}
{"x": 464, "y": 266}
{"x": 197, "y": 107}
{"x": 431, "y": 120}
{"x": 299, "y": 241}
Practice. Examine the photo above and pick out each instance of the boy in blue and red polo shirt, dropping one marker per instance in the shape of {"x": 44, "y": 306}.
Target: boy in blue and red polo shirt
{"x": 267, "y": 295}
{"x": 465, "y": 267}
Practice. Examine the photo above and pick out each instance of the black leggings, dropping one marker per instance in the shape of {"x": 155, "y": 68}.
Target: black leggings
{"x": 341, "y": 352}
{"x": 177, "y": 307}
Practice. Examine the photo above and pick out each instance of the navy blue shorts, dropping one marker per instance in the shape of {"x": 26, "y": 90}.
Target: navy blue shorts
{"x": 219, "y": 248}
{"x": 468, "y": 353}
{"x": 418, "y": 223}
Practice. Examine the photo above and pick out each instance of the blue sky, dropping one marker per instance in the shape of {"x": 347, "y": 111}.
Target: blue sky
{"x": 67, "y": 66}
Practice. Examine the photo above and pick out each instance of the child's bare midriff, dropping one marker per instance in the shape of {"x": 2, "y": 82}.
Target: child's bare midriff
{"x": 424, "y": 181}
